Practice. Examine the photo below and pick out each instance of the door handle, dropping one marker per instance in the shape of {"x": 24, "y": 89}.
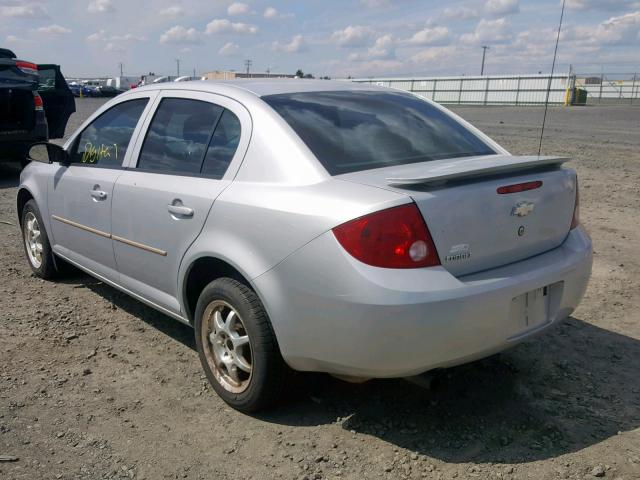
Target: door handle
{"x": 98, "y": 194}
{"x": 180, "y": 210}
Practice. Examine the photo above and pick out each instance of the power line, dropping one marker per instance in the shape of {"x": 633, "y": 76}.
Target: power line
{"x": 553, "y": 66}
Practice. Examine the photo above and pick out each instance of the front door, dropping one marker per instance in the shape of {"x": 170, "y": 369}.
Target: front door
{"x": 80, "y": 194}
{"x": 162, "y": 201}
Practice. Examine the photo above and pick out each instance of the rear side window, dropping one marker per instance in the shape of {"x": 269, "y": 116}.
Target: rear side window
{"x": 105, "y": 141}
{"x": 190, "y": 137}
{"x": 351, "y": 131}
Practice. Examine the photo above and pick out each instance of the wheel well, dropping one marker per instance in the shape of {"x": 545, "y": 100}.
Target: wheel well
{"x": 24, "y": 196}
{"x": 202, "y": 272}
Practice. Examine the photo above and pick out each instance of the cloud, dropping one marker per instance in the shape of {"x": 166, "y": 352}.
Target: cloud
{"x": 488, "y": 31}
{"x": 502, "y": 7}
{"x": 16, "y": 40}
{"x": 353, "y": 36}
{"x": 429, "y": 36}
{"x": 53, "y": 30}
{"x": 228, "y": 49}
{"x": 101, "y": 6}
{"x": 600, "y": 4}
{"x": 115, "y": 43}
{"x": 375, "y": 67}
{"x": 222, "y": 25}
{"x": 433, "y": 54}
{"x": 459, "y": 13}
{"x": 181, "y": 35}
{"x": 271, "y": 13}
{"x": 113, "y": 47}
{"x": 383, "y": 48}
{"x": 296, "y": 45}
{"x": 620, "y": 30}
{"x": 173, "y": 11}
{"x": 238, "y": 8}
{"x": 30, "y": 10}
{"x": 376, "y": 3}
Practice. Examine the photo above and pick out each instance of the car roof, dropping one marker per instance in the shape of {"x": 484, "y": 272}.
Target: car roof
{"x": 263, "y": 87}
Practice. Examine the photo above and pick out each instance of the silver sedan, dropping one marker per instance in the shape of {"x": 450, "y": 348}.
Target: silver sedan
{"x": 310, "y": 225}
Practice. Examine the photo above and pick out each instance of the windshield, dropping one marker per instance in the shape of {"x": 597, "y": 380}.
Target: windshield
{"x": 351, "y": 131}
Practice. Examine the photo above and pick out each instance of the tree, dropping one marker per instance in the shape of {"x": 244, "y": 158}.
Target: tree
{"x": 300, "y": 74}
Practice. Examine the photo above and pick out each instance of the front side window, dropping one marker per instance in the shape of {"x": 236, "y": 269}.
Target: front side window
{"x": 104, "y": 142}
{"x": 179, "y": 135}
{"x": 349, "y": 131}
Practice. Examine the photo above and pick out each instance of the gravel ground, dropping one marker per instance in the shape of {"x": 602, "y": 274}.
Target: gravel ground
{"x": 95, "y": 385}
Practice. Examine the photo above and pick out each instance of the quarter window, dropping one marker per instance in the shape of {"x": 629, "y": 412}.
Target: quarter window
{"x": 104, "y": 142}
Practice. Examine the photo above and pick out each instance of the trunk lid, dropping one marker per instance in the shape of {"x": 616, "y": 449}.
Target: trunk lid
{"x": 474, "y": 227}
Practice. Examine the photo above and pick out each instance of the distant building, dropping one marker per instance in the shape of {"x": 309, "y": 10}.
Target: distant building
{"x": 230, "y": 75}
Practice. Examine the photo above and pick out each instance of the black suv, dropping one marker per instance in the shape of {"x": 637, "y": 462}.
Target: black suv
{"x": 35, "y": 105}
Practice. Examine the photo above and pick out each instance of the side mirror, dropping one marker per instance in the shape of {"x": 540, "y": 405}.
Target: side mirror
{"x": 45, "y": 152}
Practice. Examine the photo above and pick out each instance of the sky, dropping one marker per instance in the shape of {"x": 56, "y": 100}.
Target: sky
{"x": 338, "y": 38}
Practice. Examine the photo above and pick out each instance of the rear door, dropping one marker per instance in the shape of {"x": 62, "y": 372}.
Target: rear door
{"x": 58, "y": 99}
{"x": 80, "y": 194}
{"x": 191, "y": 149}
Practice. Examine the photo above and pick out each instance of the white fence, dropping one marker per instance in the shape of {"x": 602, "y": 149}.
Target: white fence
{"x": 610, "y": 88}
{"x": 483, "y": 90}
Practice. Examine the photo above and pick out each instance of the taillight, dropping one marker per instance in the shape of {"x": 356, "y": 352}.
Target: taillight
{"x": 575, "y": 221}
{"x": 37, "y": 101}
{"x": 519, "y": 187}
{"x": 27, "y": 67}
{"x": 394, "y": 238}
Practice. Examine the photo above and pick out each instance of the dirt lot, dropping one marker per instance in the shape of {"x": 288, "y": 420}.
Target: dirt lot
{"x": 95, "y": 385}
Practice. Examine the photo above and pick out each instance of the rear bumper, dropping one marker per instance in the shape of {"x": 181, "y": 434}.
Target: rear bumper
{"x": 334, "y": 314}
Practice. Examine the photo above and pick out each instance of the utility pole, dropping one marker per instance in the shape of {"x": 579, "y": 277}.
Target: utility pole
{"x": 194, "y": 72}
{"x": 178, "y": 66}
{"x": 484, "y": 53}
{"x": 248, "y": 63}
{"x": 120, "y": 64}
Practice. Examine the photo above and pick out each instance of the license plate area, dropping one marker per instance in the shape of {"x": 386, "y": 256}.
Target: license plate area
{"x": 531, "y": 309}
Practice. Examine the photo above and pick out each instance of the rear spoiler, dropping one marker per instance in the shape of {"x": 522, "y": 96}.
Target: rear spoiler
{"x": 442, "y": 171}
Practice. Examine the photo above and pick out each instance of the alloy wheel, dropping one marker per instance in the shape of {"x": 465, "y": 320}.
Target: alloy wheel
{"x": 33, "y": 239}
{"x": 226, "y": 346}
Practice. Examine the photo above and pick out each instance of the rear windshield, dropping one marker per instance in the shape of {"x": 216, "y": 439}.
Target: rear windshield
{"x": 351, "y": 131}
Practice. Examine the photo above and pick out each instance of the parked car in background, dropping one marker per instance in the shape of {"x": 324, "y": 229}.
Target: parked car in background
{"x": 315, "y": 226}
{"x": 108, "y": 91}
{"x": 35, "y": 104}
{"x": 187, "y": 78}
{"x": 80, "y": 90}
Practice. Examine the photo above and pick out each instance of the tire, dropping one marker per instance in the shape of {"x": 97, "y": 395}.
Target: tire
{"x": 229, "y": 342}
{"x": 36, "y": 245}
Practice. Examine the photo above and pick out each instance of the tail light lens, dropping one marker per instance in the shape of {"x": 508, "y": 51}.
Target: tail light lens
{"x": 394, "y": 238}
{"x": 575, "y": 221}
{"x": 27, "y": 67}
{"x": 519, "y": 187}
{"x": 37, "y": 101}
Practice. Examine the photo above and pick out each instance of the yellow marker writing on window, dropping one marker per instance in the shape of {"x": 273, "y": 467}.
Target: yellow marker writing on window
{"x": 93, "y": 154}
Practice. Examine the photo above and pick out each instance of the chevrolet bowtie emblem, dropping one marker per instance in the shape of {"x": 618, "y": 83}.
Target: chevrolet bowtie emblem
{"x": 522, "y": 209}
